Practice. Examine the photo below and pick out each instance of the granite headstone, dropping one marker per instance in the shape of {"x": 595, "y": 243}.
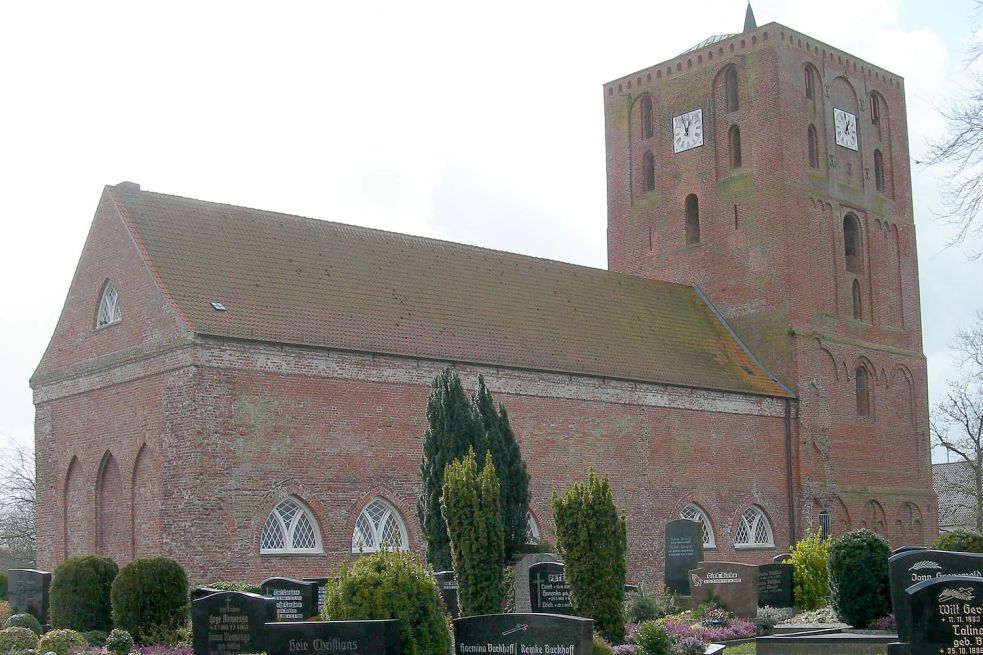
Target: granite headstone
{"x": 523, "y": 603}
{"x": 946, "y": 616}
{"x": 684, "y": 551}
{"x": 905, "y": 549}
{"x": 27, "y": 591}
{"x": 447, "y": 584}
{"x": 333, "y": 638}
{"x": 775, "y": 583}
{"x": 781, "y": 558}
{"x": 296, "y": 600}
{"x": 230, "y": 622}
{"x": 322, "y": 589}
{"x": 523, "y": 634}
{"x": 201, "y": 592}
{"x": 548, "y": 589}
{"x": 910, "y": 567}
{"x": 735, "y": 585}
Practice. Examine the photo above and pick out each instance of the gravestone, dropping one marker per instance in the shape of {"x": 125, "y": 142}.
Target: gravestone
{"x": 201, "y": 592}
{"x": 946, "y": 615}
{"x": 230, "y": 622}
{"x": 322, "y": 590}
{"x": 548, "y": 589}
{"x": 781, "y": 558}
{"x": 523, "y": 634}
{"x": 296, "y": 600}
{"x": 735, "y": 585}
{"x": 333, "y": 637}
{"x": 447, "y": 584}
{"x": 523, "y": 604}
{"x": 684, "y": 551}
{"x": 629, "y": 588}
{"x": 775, "y": 583}
{"x": 27, "y": 591}
{"x": 905, "y": 549}
{"x": 910, "y": 567}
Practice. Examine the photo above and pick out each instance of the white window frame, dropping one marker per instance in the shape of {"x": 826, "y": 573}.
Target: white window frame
{"x": 532, "y": 530}
{"x": 753, "y": 518}
{"x": 377, "y": 528}
{"x": 109, "y": 312}
{"x": 693, "y": 512}
{"x": 288, "y": 531}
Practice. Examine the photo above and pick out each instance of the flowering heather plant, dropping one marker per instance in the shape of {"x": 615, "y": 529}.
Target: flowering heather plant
{"x": 884, "y": 623}
{"x": 734, "y": 629}
{"x": 631, "y": 632}
{"x": 163, "y": 649}
{"x": 625, "y": 649}
{"x": 688, "y": 646}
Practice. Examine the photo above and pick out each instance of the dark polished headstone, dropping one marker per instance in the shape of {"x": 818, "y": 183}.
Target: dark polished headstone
{"x": 781, "y": 558}
{"x": 201, "y": 592}
{"x": 296, "y": 600}
{"x": 548, "y": 589}
{"x": 775, "y": 585}
{"x": 447, "y": 584}
{"x": 333, "y": 638}
{"x": 230, "y": 622}
{"x": 523, "y": 603}
{"x": 629, "y": 588}
{"x": 27, "y": 591}
{"x": 905, "y": 549}
{"x": 684, "y": 551}
{"x": 913, "y": 566}
{"x": 523, "y": 634}
{"x": 322, "y": 590}
{"x": 946, "y": 616}
{"x": 735, "y": 585}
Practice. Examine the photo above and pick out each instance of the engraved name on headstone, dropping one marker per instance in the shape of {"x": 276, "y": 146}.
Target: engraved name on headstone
{"x": 523, "y": 634}
{"x": 27, "y": 591}
{"x": 548, "y": 589}
{"x": 230, "y": 622}
{"x": 736, "y": 585}
{"x": 775, "y": 584}
{"x": 296, "y": 600}
{"x": 684, "y": 551}
{"x": 946, "y": 616}
{"x": 447, "y": 584}
{"x": 333, "y": 638}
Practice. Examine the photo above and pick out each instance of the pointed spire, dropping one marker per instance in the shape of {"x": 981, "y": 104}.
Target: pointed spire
{"x": 749, "y": 23}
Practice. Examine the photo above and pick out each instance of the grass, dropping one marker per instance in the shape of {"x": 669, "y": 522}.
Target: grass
{"x": 742, "y": 649}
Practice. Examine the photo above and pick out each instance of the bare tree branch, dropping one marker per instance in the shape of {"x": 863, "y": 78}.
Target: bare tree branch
{"x": 18, "y": 507}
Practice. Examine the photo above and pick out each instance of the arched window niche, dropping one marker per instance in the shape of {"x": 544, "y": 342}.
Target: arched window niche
{"x": 862, "y": 381}
{"x": 735, "y": 146}
{"x": 694, "y": 513}
{"x": 858, "y": 311}
{"x": 648, "y": 171}
{"x": 730, "y": 86}
{"x": 879, "y": 171}
{"x": 532, "y": 529}
{"x": 851, "y": 244}
{"x": 813, "y": 147}
{"x": 648, "y": 128}
{"x": 379, "y": 527}
{"x": 753, "y": 530}
{"x": 290, "y": 529}
{"x": 692, "y": 207}
{"x": 109, "y": 311}
{"x": 810, "y": 83}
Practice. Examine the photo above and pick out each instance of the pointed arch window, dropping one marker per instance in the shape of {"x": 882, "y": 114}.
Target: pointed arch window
{"x": 813, "y": 147}
{"x": 692, "y": 219}
{"x": 694, "y": 513}
{"x": 730, "y": 84}
{"x": 109, "y": 312}
{"x": 851, "y": 243}
{"x": 753, "y": 531}
{"x": 858, "y": 312}
{"x": 735, "y": 146}
{"x": 379, "y": 527}
{"x": 875, "y": 109}
{"x": 648, "y": 129}
{"x": 532, "y": 529}
{"x": 290, "y": 529}
{"x": 879, "y": 170}
{"x": 863, "y": 392}
{"x": 648, "y": 171}
{"x": 810, "y": 83}
{"x": 825, "y": 525}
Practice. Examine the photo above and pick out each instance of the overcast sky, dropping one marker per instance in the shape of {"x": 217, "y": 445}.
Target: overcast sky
{"x": 479, "y": 123}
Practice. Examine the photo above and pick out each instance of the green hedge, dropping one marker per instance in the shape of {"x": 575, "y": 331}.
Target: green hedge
{"x": 150, "y": 599}
{"x": 858, "y": 577}
{"x": 61, "y": 642}
{"x": 17, "y": 638}
{"x": 810, "y": 571}
{"x": 960, "y": 541}
{"x": 25, "y": 620}
{"x": 79, "y": 594}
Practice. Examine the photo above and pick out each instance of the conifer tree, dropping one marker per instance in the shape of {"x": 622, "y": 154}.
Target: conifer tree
{"x": 453, "y": 429}
{"x": 592, "y": 540}
{"x": 473, "y": 514}
{"x": 512, "y": 476}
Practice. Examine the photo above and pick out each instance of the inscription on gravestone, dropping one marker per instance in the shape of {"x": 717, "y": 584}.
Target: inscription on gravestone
{"x": 684, "y": 551}
{"x": 548, "y": 588}
{"x": 295, "y": 599}
{"x": 447, "y": 584}
{"x": 736, "y": 585}
{"x": 523, "y": 634}
{"x": 913, "y": 566}
{"x": 322, "y": 590}
{"x": 27, "y": 591}
{"x": 523, "y": 603}
{"x": 333, "y": 638}
{"x": 775, "y": 583}
{"x": 230, "y": 622}
{"x": 947, "y": 616}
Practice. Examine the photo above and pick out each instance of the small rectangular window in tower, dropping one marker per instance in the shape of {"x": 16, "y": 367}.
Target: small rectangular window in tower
{"x": 825, "y": 525}
{"x": 735, "y": 217}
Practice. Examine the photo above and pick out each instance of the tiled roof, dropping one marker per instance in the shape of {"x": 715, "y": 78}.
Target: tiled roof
{"x": 953, "y": 482}
{"x": 302, "y": 281}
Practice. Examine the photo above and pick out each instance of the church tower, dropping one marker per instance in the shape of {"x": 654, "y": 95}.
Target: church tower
{"x": 771, "y": 171}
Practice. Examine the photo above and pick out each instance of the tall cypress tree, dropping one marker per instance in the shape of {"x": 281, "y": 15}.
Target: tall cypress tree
{"x": 453, "y": 429}
{"x": 512, "y": 476}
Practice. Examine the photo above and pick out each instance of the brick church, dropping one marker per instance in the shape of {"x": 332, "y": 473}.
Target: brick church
{"x": 244, "y": 391}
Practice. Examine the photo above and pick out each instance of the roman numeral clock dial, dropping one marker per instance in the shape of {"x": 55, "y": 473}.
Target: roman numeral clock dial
{"x": 687, "y": 130}
{"x": 845, "y": 128}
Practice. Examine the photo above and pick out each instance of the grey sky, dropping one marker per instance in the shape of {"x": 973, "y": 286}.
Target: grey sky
{"x": 475, "y": 123}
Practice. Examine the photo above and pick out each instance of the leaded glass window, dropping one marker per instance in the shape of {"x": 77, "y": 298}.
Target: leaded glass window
{"x": 290, "y": 528}
{"x": 379, "y": 527}
{"x": 753, "y": 530}
{"x": 108, "y": 307}
{"x": 694, "y": 513}
{"x": 532, "y": 530}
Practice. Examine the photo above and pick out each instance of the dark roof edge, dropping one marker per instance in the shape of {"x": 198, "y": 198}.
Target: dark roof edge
{"x": 529, "y": 369}
{"x": 754, "y": 358}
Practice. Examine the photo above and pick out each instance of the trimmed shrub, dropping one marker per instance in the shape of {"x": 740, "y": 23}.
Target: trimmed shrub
{"x": 79, "y": 595}
{"x": 17, "y": 638}
{"x": 4, "y": 611}
{"x": 470, "y": 504}
{"x": 960, "y": 541}
{"x": 24, "y": 620}
{"x": 392, "y": 585}
{"x": 592, "y": 540}
{"x": 644, "y": 605}
{"x": 61, "y": 642}
{"x": 150, "y": 599}
{"x": 811, "y": 586}
{"x": 858, "y": 579}
{"x": 119, "y": 642}
{"x": 653, "y": 639}
{"x": 600, "y": 647}
{"x": 95, "y": 638}
{"x": 234, "y": 585}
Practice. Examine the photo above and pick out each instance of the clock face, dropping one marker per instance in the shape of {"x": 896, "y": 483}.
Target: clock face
{"x": 687, "y": 130}
{"x": 845, "y": 125}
